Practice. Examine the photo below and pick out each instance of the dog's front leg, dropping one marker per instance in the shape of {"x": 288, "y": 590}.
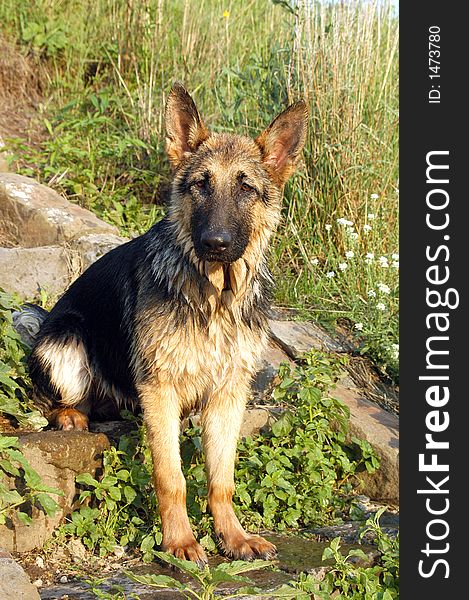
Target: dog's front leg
{"x": 162, "y": 417}
{"x": 221, "y": 422}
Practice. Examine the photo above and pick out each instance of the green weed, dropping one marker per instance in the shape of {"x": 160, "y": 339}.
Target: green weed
{"x": 346, "y": 579}
{"x": 27, "y": 481}
{"x": 14, "y": 380}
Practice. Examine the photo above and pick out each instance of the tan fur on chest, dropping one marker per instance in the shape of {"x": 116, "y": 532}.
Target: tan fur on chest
{"x": 198, "y": 361}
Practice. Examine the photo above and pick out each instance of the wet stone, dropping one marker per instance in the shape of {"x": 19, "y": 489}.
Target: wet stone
{"x": 295, "y": 555}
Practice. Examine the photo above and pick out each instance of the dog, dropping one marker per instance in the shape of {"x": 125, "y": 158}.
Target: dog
{"x": 176, "y": 319}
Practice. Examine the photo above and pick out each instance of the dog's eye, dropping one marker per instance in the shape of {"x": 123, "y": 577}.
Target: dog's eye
{"x": 246, "y": 187}
{"x": 200, "y": 184}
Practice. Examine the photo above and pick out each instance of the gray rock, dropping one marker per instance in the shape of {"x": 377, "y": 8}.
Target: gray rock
{"x": 35, "y": 215}
{"x": 58, "y": 457}
{"x": 381, "y": 429}
{"x": 255, "y": 419}
{"x": 14, "y": 583}
{"x": 269, "y": 364}
{"x": 297, "y": 337}
{"x": 94, "y": 245}
{"x": 27, "y": 270}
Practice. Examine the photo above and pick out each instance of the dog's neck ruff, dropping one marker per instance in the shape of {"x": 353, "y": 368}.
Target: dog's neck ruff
{"x": 208, "y": 288}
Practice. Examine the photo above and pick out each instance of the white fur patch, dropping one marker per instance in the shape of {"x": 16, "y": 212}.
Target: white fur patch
{"x": 69, "y": 370}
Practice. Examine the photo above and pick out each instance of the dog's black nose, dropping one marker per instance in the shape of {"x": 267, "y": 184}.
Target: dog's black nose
{"x": 216, "y": 240}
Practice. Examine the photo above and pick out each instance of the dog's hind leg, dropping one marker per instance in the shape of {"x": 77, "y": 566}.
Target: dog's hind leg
{"x": 61, "y": 376}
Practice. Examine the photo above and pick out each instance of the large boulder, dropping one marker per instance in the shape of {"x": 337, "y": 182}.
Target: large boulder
{"x": 35, "y": 215}
{"x": 46, "y": 241}
{"x": 58, "y": 457}
{"x": 27, "y": 270}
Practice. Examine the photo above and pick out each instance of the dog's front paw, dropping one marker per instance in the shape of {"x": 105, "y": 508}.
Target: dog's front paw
{"x": 248, "y": 547}
{"x": 188, "y": 551}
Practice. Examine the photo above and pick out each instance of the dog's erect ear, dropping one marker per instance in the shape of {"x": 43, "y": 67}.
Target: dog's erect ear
{"x": 282, "y": 142}
{"x": 185, "y": 130}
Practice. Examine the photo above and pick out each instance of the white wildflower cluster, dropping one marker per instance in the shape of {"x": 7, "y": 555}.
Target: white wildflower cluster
{"x": 383, "y": 261}
{"x": 330, "y": 274}
{"x": 343, "y": 266}
{"x": 369, "y": 257}
{"x": 381, "y": 306}
{"x": 359, "y": 326}
{"x": 371, "y": 293}
{"x": 349, "y": 254}
{"x": 371, "y": 216}
{"x": 374, "y": 196}
{"x": 367, "y": 228}
{"x": 344, "y": 222}
{"x": 395, "y": 351}
{"x": 382, "y": 287}
{"x": 315, "y": 261}
{"x": 328, "y": 226}
{"x": 395, "y": 261}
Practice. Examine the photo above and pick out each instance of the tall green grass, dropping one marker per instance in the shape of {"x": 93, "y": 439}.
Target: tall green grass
{"x": 111, "y": 63}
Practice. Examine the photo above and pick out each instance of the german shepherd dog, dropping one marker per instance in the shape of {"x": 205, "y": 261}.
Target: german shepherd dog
{"x": 176, "y": 318}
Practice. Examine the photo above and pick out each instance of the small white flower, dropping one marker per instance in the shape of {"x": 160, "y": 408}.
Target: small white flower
{"x": 367, "y": 228}
{"x": 353, "y": 234}
{"x": 382, "y": 287}
{"x": 381, "y": 306}
{"x": 395, "y": 351}
{"x": 344, "y": 222}
{"x": 369, "y": 257}
{"x": 359, "y": 326}
{"x": 371, "y": 216}
{"x": 395, "y": 256}
{"x": 315, "y": 261}
{"x": 383, "y": 261}
{"x": 343, "y": 266}
{"x": 374, "y": 196}
{"x": 328, "y": 226}
{"x": 371, "y": 293}
{"x": 395, "y": 264}
{"x": 330, "y": 274}
{"x": 349, "y": 254}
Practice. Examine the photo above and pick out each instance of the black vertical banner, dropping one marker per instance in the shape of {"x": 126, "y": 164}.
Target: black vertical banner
{"x": 434, "y": 330}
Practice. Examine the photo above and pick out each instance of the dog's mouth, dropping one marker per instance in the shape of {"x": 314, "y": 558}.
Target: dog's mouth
{"x": 226, "y": 256}
{"x": 217, "y": 258}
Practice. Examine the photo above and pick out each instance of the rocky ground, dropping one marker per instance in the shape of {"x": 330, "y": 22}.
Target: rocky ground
{"x": 45, "y": 242}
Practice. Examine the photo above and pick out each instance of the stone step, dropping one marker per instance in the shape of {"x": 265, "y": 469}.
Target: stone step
{"x": 58, "y": 457}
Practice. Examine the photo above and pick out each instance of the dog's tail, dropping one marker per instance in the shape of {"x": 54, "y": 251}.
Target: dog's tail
{"x": 28, "y": 321}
